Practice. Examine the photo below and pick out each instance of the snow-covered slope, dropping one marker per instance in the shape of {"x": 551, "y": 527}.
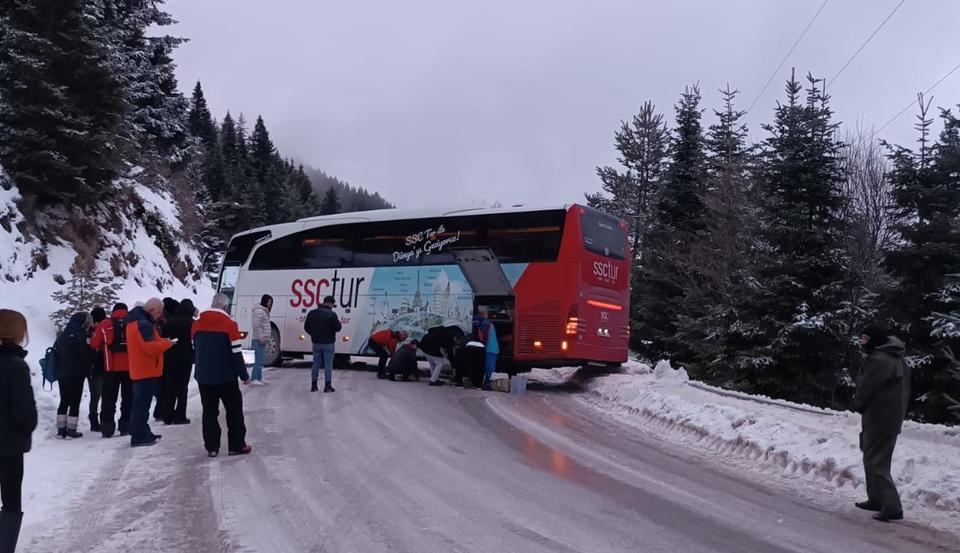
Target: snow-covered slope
{"x": 139, "y": 241}
{"x": 788, "y": 440}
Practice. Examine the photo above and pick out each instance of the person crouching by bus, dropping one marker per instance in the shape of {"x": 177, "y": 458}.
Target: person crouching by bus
{"x": 404, "y": 362}
{"x": 469, "y": 359}
{"x": 384, "y": 343}
{"x": 18, "y": 419}
{"x": 74, "y": 361}
{"x": 488, "y": 335}
{"x": 219, "y": 365}
{"x": 260, "y": 336}
{"x": 145, "y": 349}
{"x": 110, "y": 338}
{"x": 437, "y": 345}
{"x": 322, "y": 325}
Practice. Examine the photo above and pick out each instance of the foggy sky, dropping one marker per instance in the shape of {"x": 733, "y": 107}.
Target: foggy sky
{"x": 440, "y": 103}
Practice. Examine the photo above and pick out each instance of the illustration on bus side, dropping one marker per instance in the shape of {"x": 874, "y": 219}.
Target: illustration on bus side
{"x": 416, "y": 299}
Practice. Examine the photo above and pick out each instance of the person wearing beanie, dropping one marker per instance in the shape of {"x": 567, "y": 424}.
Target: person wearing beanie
{"x": 177, "y": 362}
{"x": 883, "y": 392}
{"x": 74, "y": 360}
{"x": 110, "y": 338}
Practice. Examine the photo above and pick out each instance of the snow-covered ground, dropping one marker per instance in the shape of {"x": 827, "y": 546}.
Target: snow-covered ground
{"x": 799, "y": 444}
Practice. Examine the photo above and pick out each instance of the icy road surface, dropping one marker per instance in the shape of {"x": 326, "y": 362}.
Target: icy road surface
{"x": 384, "y": 466}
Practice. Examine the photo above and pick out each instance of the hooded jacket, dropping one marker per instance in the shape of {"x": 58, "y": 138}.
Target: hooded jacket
{"x": 144, "y": 346}
{"x": 113, "y": 361}
{"x": 72, "y": 351}
{"x": 883, "y": 389}
{"x": 216, "y": 339}
{"x": 18, "y": 410}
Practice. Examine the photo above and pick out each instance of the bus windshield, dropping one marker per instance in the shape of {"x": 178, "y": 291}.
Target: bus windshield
{"x": 603, "y": 235}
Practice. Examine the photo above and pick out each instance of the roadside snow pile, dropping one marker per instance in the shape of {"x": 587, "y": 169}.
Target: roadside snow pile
{"x": 796, "y": 441}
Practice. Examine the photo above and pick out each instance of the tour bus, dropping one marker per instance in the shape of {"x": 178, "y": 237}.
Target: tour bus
{"x": 554, "y": 282}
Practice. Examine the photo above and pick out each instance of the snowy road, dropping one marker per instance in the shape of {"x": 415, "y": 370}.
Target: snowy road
{"x": 381, "y": 466}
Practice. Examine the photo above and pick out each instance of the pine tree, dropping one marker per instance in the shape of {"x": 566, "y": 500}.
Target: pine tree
{"x": 60, "y": 100}
{"x": 790, "y": 328}
{"x": 661, "y": 281}
{"x": 331, "y": 203}
{"x": 926, "y": 191}
{"x": 199, "y": 120}
{"x": 305, "y": 194}
{"x": 87, "y": 288}
{"x": 632, "y": 194}
{"x": 265, "y": 166}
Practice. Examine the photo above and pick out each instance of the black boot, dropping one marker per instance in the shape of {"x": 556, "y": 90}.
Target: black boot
{"x": 327, "y": 388}
{"x": 9, "y": 530}
{"x": 313, "y": 386}
{"x": 95, "y": 423}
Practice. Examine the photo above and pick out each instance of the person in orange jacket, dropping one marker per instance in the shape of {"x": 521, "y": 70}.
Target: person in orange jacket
{"x": 110, "y": 337}
{"x": 145, "y": 350}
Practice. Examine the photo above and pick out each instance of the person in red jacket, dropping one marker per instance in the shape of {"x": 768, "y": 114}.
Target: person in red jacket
{"x": 145, "y": 348}
{"x": 110, "y": 338}
{"x": 383, "y": 343}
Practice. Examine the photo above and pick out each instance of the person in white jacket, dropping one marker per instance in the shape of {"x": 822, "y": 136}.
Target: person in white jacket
{"x": 260, "y": 336}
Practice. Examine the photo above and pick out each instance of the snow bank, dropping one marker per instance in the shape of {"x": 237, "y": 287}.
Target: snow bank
{"x": 791, "y": 440}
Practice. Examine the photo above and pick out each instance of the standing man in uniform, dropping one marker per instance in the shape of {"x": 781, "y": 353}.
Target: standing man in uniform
{"x": 322, "y": 325}
{"x": 883, "y": 391}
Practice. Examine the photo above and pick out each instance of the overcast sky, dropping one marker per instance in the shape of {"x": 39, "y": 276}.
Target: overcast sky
{"x": 437, "y": 103}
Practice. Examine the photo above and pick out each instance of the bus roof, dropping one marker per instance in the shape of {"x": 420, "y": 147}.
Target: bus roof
{"x": 394, "y": 215}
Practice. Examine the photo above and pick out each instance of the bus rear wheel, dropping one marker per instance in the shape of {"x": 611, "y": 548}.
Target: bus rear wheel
{"x": 272, "y": 357}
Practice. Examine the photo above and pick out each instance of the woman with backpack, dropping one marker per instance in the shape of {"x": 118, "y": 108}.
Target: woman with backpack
{"x": 73, "y": 360}
{"x": 18, "y": 419}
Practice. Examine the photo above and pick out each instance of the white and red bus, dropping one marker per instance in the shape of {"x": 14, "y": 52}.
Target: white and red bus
{"x": 564, "y": 299}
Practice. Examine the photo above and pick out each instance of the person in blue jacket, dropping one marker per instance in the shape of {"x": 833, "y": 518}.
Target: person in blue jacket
{"x": 488, "y": 335}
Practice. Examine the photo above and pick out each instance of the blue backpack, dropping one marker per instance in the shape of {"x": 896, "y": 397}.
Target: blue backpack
{"x": 48, "y": 365}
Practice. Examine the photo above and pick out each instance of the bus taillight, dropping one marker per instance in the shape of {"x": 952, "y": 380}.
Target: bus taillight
{"x": 574, "y": 324}
{"x": 564, "y": 346}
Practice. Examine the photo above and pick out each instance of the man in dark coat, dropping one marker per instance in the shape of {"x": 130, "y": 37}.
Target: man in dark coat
{"x": 437, "y": 345}
{"x": 322, "y": 325}
{"x": 883, "y": 391}
{"x": 469, "y": 358}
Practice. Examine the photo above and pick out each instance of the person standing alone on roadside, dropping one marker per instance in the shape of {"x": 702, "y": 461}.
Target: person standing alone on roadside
{"x": 18, "y": 419}
{"x": 883, "y": 392}
{"x": 219, "y": 363}
{"x": 322, "y": 325}
{"x": 260, "y": 337}
{"x": 145, "y": 348}
{"x": 74, "y": 361}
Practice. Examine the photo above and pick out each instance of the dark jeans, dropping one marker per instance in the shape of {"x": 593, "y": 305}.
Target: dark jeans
{"x": 115, "y": 384}
{"x": 174, "y": 408}
{"x": 143, "y": 392}
{"x": 159, "y": 394}
{"x": 11, "y": 482}
{"x": 95, "y": 383}
{"x": 71, "y": 391}
{"x": 383, "y": 354}
{"x": 211, "y": 395}
{"x": 877, "y": 458}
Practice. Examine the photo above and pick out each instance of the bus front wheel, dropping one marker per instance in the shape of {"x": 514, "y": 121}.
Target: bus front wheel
{"x": 273, "y": 357}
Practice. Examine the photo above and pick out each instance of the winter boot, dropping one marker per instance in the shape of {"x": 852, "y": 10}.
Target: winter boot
{"x": 327, "y": 388}
{"x": 9, "y": 530}
{"x": 72, "y": 423}
{"x": 62, "y": 426}
{"x": 95, "y": 423}
{"x": 313, "y": 386}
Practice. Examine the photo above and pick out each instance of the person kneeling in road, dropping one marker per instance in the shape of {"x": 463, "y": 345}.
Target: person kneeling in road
{"x": 218, "y": 365}
{"x": 404, "y": 362}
